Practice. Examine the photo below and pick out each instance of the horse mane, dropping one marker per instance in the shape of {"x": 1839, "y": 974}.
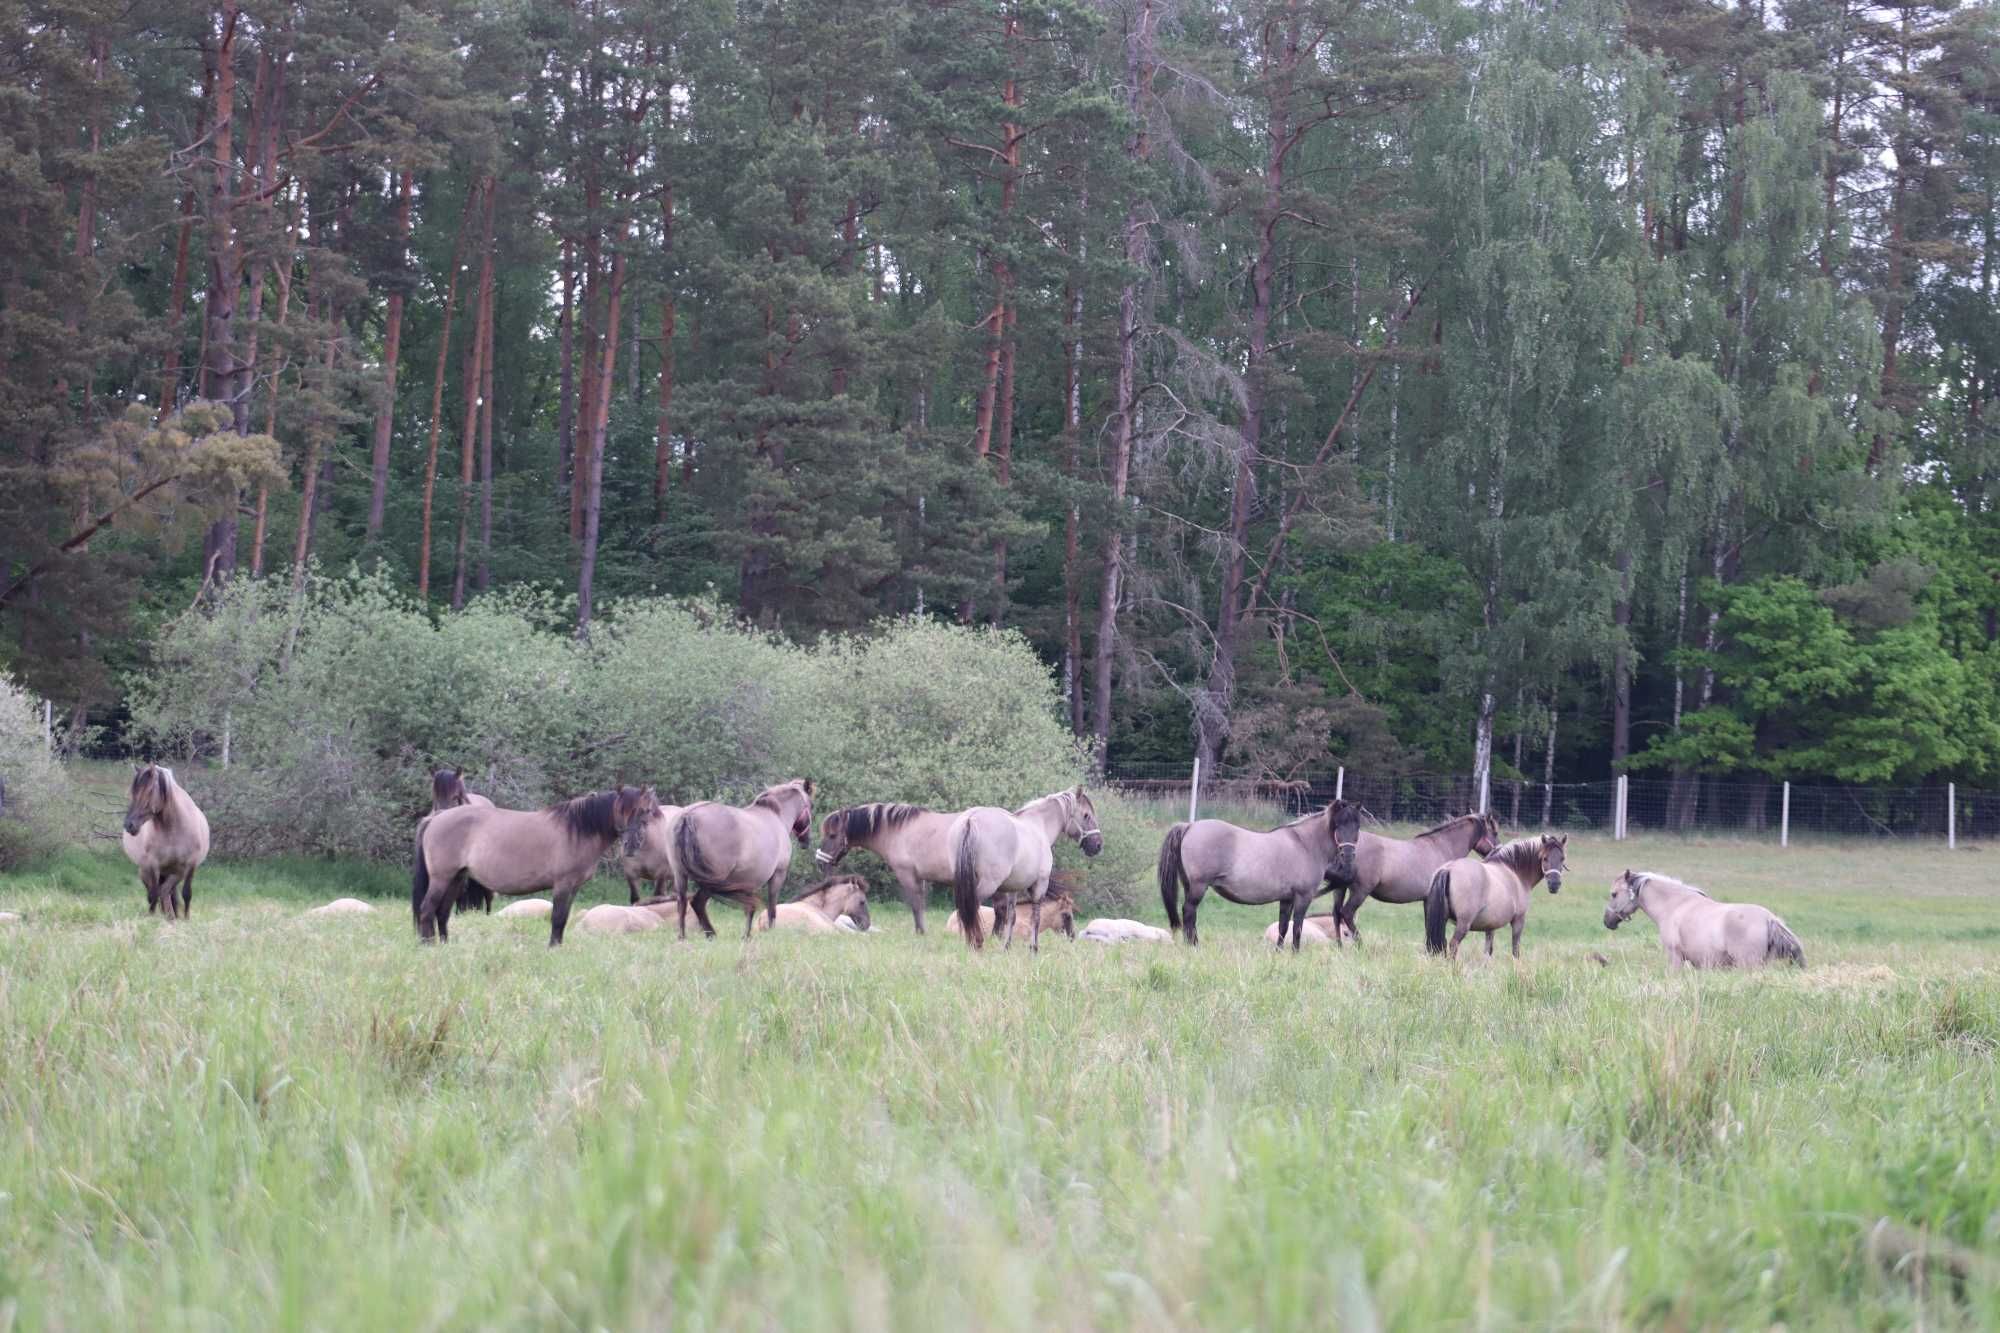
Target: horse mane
{"x": 769, "y": 800}
{"x": 833, "y": 882}
{"x": 1521, "y": 854}
{"x": 1067, "y": 796}
{"x": 155, "y": 778}
{"x": 1449, "y": 823}
{"x": 589, "y": 816}
{"x": 1678, "y": 883}
{"x": 865, "y": 821}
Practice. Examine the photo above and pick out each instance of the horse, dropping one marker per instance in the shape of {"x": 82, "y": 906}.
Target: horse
{"x": 448, "y": 792}
{"x": 912, "y": 840}
{"x": 1122, "y": 930}
{"x": 166, "y": 836}
{"x": 732, "y": 850}
{"x": 995, "y": 849}
{"x": 1061, "y": 902}
{"x": 646, "y": 851}
{"x": 1286, "y": 866}
{"x": 1400, "y": 871}
{"x": 1486, "y": 895}
{"x": 515, "y": 852}
{"x": 1327, "y": 929}
{"x": 1696, "y": 930}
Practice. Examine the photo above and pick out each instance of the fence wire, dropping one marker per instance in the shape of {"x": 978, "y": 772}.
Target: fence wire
{"x": 1692, "y": 803}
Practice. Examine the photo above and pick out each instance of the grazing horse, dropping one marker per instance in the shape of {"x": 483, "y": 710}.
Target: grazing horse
{"x": 733, "y": 850}
{"x": 1486, "y": 895}
{"x": 1400, "y": 871}
{"x": 912, "y": 840}
{"x": 1698, "y": 931}
{"x": 995, "y": 849}
{"x": 448, "y": 792}
{"x": 513, "y": 852}
{"x": 646, "y": 852}
{"x": 166, "y": 836}
{"x": 1285, "y": 866}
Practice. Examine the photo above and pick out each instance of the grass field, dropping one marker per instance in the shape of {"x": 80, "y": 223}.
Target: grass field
{"x": 258, "y": 1120}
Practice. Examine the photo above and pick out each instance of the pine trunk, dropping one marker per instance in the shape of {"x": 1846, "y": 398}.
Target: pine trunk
{"x": 594, "y": 498}
{"x": 474, "y": 374}
{"x": 472, "y": 204}
{"x": 392, "y": 345}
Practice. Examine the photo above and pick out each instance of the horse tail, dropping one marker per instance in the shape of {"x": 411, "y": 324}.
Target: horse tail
{"x": 1437, "y": 906}
{"x": 965, "y": 882}
{"x": 1781, "y": 943}
{"x": 420, "y": 881}
{"x": 1173, "y": 876}
{"x": 689, "y": 855}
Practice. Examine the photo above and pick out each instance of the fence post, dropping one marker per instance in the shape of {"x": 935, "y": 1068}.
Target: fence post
{"x": 1951, "y": 815}
{"x": 1618, "y": 809}
{"x": 1785, "y": 817}
{"x": 1194, "y": 788}
{"x": 1486, "y": 791}
{"x": 1339, "y": 781}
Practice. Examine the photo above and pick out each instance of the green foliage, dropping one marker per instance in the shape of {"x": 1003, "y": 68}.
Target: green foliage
{"x": 39, "y": 811}
{"x": 336, "y": 707}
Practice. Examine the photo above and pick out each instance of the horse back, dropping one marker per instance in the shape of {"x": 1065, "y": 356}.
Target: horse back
{"x": 735, "y": 846}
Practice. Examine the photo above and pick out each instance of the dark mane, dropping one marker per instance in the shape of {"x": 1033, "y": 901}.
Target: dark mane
{"x": 587, "y": 816}
{"x": 834, "y": 882}
{"x": 445, "y": 785}
{"x": 865, "y": 821}
{"x": 1523, "y": 855}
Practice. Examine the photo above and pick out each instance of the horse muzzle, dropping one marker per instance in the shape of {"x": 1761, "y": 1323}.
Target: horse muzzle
{"x": 132, "y": 826}
{"x": 1091, "y": 842}
{"x": 1611, "y": 920}
{"x": 1555, "y": 881}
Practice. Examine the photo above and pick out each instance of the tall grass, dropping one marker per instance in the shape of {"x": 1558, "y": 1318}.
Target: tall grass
{"x": 260, "y": 1119}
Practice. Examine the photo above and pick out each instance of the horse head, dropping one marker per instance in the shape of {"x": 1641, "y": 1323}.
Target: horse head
{"x": 1489, "y": 833}
{"x": 1082, "y": 823}
{"x": 833, "y": 839}
{"x": 633, "y": 806}
{"x": 447, "y": 789}
{"x": 1343, "y": 822}
{"x": 148, "y": 797}
{"x": 802, "y": 826}
{"x": 1555, "y": 848}
{"x": 1624, "y": 898}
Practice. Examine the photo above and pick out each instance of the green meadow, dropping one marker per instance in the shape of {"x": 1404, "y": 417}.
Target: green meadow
{"x": 259, "y": 1119}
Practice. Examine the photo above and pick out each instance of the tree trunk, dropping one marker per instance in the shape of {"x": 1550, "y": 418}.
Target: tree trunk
{"x": 1140, "y": 64}
{"x": 594, "y": 497}
{"x": 392, "y": 344}
{"x": 1549, "y": 767}
{"x": 566, "y": 401}
{"x": 170, "y": 377}
{"x": 222, "y": 375}
{"x": 474, "y": 374}
{"x": 663, "y": 447}
{"x": 284, "y": 277}
{"x": 472, "y": 205}
{"x": 1072, "y": 440}
{"x": 1621, "y": 663}
{"x": 484, "y": 579}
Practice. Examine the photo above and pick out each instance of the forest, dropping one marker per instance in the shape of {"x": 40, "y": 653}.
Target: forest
{"x": 1554, "y": 389}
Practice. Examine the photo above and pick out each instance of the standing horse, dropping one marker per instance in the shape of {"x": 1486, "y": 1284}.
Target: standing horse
{"x": 513, "y": 852}
{"x": 1286, "y": 866}
{"x": 646, "y": 852}
{"x": 1698, "y": 931}
{"x": 166, "y": 836}
{"x": 1486, "y": 895}
{"x": 1399, "y": 871}
{"x": 448, "y": 792}
{"x": 913, "y": 841}
{"x": 734, "y": 850}
{"x": 995, "y": 849}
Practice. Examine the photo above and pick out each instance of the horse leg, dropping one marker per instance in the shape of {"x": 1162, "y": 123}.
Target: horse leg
{"x": 1489, "y": 944}
{"x": 1035, "y": 918}
{"x": 1189, "y": 905}
{"x": 772, "y": 887}
{"x": 1345, "y": 906}
{"x": 632, "y": 883}
{"x": 1458, "y": 937}
{"x": 150, "y": 879}
{"x": 1300, "y": 905}
{"x": 700, "y": 914}
{"x": 1519, "y": 922}
{"x": 559, "y": 914}
{"x": 913, "y": 894}
{"x": 1284, "y": 919}
{"x": 187, "y": 891}
{"x": 1003, "y": 919}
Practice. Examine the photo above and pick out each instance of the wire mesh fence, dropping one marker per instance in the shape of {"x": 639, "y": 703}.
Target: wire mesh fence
{"x": 1689, "y": 803}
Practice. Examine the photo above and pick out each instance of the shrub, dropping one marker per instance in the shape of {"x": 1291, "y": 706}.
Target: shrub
{"x": 37, "y": 805}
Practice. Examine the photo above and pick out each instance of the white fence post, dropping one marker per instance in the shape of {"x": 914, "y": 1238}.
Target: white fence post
{"x": 1194, "y": 788}
{"x": 48, "y": 726}
{"x": 1785, "y": 817}
{"x": 1618, "y": 809}
{"x": 1486, "y": 791}
{"x": 1339, "y": 781}
{"x": 1951, "y": 815}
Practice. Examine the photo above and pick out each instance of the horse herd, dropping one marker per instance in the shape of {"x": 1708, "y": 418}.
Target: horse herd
{"x": 468, "y": 850}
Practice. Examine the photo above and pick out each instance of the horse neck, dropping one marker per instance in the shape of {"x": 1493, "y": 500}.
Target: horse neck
{"x": 1048, "y": 816}
{"x": 1452, "y": 841}
{"x": 1666, "y": 895}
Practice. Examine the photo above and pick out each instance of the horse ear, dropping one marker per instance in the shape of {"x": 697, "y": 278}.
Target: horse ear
{"x": 1562, "y": 840}
{"x": 808, "y": 784}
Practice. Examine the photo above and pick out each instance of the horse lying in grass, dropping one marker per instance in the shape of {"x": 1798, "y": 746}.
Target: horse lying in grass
{"x": 516, "y": 852}
{"x": 166, "y": 836}
{"x": 1486, "y": 895}
{"x": 1327, "y": 929}
{"x": 818, "y": 910}
{"x": 1058, "y": 913}
{"x": 1696, "y": 930}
